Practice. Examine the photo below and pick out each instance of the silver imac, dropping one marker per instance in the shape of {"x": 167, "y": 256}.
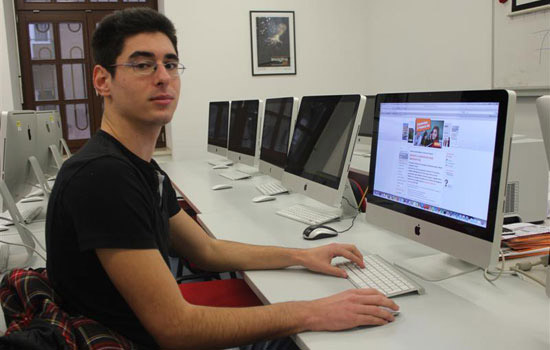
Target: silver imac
{"x": 218, "y": 127}
{"x": 322, "y": 145}
{"x": 244, "y": 131}
{"x": 364, "y": 139}
{"x": 444, "y": 185}
{"x": 18, "y": 143}
{"x": 543, "y": 109}
{"x": 277, "y": 126}
{"x": 48, "y": 135}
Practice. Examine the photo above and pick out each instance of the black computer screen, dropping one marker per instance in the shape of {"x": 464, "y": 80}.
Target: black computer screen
{"x": 322, "y": 137}
{"x": 218, "y": 123}
{"x": 276, "y": 130}
{"x": 243, "y": 126}
{"x": 368, "y": 117}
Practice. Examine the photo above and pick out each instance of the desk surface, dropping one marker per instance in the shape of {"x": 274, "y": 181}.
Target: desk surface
{"x": 464, "y": 312}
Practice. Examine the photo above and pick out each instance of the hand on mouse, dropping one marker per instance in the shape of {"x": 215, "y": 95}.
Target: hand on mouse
{"x": 319, "y": 259}
{"x": 349, "y": 309}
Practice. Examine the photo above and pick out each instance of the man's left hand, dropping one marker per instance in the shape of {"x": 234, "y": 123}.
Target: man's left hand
{"x": 319, "y": 259}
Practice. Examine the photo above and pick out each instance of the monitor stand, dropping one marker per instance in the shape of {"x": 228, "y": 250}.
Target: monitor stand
{"x": 436, "y": 267}
{"x": 40, "y": 177}
{"x": 27, "y": 237}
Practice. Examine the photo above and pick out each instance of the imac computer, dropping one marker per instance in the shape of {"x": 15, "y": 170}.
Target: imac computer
{"x": 543, "y": 109}
{"x": 218, "y": 128}
{"x": 49, "y": 133}
{"x": 17, "y": 144}
{"x": 438, "y": 175}
{"x": 364, "y": 139}
{"x": 322, "y": 145}
{"x": 278, "y": 124}
{"x": 244, "y": 132}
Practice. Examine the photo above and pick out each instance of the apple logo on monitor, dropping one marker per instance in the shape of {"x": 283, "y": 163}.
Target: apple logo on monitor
{"x": 305, "y": 187}
{"x": 417, "y": 230}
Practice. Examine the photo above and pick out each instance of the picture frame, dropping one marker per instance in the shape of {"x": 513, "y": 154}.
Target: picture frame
{"x": 521, "y": 5}
{"x": 273, "y": 43}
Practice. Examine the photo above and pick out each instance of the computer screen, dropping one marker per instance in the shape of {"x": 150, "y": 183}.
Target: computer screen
{"x": 321, "y": 146}
{"x": 218, "y": 127}
{"x": 17, "y": 145}
{"x": 244, "y": 123}
{"x": 277, "y": 128}
{"x": 438, "y": 169}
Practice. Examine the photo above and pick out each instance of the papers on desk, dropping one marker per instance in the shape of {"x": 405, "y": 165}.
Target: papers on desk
{"x": 524, "y": 239}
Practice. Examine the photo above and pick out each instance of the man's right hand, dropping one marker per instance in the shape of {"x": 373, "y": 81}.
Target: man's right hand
{"x": 349, "y": 309}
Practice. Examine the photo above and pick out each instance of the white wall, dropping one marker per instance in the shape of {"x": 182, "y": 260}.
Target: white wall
{"x": 215, "y": 46}
{"x": 428, "y": 45}
{"x": 345, "y": 46}
{"x": 10, "y": 95}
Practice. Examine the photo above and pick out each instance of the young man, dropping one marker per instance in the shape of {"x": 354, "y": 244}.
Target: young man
{"x": 113, "y": 216}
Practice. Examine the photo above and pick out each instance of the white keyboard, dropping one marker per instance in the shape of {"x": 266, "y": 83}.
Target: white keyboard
{"x": 234, "y": 174}
{"x": 220, "y": 162}
{"x": 28, "y": 213}
{"x": 307, "y": 215}
{"x": 271, "y": 188}
{"x": 381, "y": 275}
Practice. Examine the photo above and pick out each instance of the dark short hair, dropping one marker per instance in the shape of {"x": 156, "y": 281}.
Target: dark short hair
{"x": 111, "y": 33}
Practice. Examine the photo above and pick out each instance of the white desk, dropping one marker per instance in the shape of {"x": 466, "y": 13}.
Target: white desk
{"x": 464, "y": 312}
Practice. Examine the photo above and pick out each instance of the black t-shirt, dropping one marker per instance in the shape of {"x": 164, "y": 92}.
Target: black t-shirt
{"x": 105, "y": 197}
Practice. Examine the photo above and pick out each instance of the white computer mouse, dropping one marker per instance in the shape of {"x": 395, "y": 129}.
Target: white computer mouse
{"x": 260, "y": 199}
{"x": 319, "y": 232}
{"x": 221, "y": 166}
{"x": 221, "y": 187}
{"x": 391, "y": 311}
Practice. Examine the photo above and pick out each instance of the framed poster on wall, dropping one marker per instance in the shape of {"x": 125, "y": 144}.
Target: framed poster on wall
{"x": 520, "y": 5}
{"x": 272, "y": 40}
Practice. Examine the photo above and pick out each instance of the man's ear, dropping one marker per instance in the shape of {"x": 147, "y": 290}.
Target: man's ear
{"x": 102, "y": 81}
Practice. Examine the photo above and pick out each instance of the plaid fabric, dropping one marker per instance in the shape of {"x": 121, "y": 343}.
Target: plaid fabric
{"x": 28, "y": 298}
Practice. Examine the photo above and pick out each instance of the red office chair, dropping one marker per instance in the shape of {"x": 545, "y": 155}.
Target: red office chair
{"x": 222, "y": 293}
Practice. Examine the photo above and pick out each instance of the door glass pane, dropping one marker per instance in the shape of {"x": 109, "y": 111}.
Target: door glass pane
{"x": 41, "y": 41}
{"x": 45, "y": 82}
{"x": 47, "y": 107}
{"x": 72, "y": 45}
{"x": 133, "y": 0}
{"x": 74, "y": 81}
{"x": 69, "y": 0}
{"x": 78, "y": 121}
{"x": 103, "y": 0}
{"x": 37, "y": 0}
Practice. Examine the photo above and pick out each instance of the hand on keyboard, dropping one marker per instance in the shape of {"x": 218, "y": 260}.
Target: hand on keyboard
{"x": 319, "y": 259}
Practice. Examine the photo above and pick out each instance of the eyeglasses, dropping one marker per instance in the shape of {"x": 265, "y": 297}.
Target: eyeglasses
{"x": 150, "y": 67}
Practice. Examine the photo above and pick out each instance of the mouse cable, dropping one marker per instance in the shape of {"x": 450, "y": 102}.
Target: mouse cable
{"x": 358, "y": 208}
{"x": 26, "y": 246}
{"x": 518, "y": 269}
{"x": 486, "y": 272}
{"x": 525, "y": 274}
{"x": 350, "y": 226}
